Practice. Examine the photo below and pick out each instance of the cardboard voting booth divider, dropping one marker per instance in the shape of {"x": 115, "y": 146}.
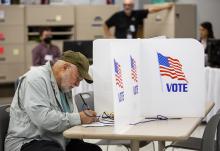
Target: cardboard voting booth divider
{"x": 147, "y": 77}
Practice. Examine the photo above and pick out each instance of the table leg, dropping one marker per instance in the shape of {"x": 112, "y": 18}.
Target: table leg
{"x": 134, "y": 145}
{"x": 161, "y": 145}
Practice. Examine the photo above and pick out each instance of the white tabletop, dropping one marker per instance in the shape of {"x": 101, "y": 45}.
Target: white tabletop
{"x": 167, "y": 130}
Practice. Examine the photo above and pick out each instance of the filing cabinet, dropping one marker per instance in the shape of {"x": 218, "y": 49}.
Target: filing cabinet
{"x": 38, "y": 15}
{"x": 12, "y": 15}
{"x": 61, "y": 20}
{"x": 179, "y": 22}
{"x": 13, "y": 53}
{"x": 12, "y": 33}
{"x": 10, "y": 72}
{"x": 90, "y": 19}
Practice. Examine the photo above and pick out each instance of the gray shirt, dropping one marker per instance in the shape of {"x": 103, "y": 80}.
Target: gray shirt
{"x": 40, "y": 115}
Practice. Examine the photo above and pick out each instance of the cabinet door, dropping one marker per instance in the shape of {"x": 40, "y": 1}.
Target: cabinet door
{"x": 89, "y": 25}
{"x": 159, "y": 24}
{"x": 10, "y": 72}
{"x": 185, "y": 21}
{"x": 11, "y": 15}
{"x": 49, "y": 15}
{"x": 11, "y": 34}
{"x": 12, "y": 53}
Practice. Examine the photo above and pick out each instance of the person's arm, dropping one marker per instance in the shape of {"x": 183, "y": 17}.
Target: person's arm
{"x": 39, "y": 107}
{"x": 107, "y": 31}
{"x": 154, "y": 9}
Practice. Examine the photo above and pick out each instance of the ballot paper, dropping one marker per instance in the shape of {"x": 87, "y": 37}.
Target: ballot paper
{"x": 100, "y": 123}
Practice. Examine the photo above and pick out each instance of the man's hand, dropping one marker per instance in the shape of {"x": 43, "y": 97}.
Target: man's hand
{"x": 169, "y": 5}
{"x": 107, "y": 32}
{"x": 87, "y": 116}
{"x": 159, "y": 7}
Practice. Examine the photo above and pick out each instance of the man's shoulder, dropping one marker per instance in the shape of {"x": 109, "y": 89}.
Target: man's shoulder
{"x": 38, "y": 45}
{"x": 37, "y": 73}
{"x": 119, "y": 13}
{"x": 140, "y": 11}
{"x": 55, "y": 47}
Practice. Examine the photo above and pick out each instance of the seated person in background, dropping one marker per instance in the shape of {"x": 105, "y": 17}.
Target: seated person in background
{"x": 126, "y": 22}
{"x": 45, "y": 50}
{"x": 42, "y": 107}
{"x": 205, "y": 32}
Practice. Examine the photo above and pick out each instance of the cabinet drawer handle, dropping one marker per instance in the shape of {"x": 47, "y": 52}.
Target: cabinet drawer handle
{"x": 97, "y": 25}
{"x": 51, "y": 20}
{"x": 2, "y": 59}
{"x": 2, "y": 77}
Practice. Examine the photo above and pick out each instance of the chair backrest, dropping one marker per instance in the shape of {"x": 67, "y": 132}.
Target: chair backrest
{"x": 209, "y": 135}
{"x": 88, "y": 97}
{"x": 4, "y": 121}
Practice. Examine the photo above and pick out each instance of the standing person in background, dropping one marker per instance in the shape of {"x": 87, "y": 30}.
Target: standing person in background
{"x": 206, "y": 32}
{"x": 126, "y": 22}
{"x": 45, "y": 50}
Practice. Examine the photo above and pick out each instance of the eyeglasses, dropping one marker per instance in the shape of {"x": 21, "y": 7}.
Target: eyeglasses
{"x": 157, "y": 118}
{"x": 106, "y": 118}
{"x": 106, "y": 115}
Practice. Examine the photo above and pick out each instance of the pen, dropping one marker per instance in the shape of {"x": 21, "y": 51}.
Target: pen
{"x": 87, "y": 107}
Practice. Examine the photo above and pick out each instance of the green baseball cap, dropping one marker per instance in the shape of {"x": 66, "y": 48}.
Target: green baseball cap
{"x": 80, "y": 61}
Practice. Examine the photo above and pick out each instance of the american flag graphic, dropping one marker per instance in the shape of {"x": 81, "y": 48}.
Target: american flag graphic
{"x": 134, "y": 75}
{"x": 171, "y": 67}
{"x": 118, "y": 74}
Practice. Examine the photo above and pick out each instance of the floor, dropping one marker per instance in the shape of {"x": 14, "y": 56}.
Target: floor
{"x": 198, "y": 133}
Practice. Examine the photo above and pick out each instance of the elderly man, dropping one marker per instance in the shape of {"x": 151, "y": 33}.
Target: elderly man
{"x": 126, "y": 22}
{"x": 42, "y": 107}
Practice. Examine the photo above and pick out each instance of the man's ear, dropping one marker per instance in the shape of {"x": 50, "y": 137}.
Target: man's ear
{"x": 65, "y": 66}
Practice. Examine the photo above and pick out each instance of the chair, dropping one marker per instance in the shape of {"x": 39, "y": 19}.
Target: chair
{"x": 4, "y": 121}
{"x": 88, "y": 98}
{"x": 207, "y": 142}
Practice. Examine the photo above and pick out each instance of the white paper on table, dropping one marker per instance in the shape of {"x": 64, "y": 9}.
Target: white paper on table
{"x": 98, "y": 124}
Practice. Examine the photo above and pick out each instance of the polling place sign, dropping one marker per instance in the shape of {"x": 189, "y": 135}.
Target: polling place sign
{"x": 172, "y": 72}
{"x": 146, "y": 77}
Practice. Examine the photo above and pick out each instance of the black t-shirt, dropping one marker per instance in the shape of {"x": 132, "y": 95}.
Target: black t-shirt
{"x": 126, "y": 26}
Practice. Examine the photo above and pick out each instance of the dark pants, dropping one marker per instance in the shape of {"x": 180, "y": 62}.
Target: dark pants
{"x": 74, "y": 145}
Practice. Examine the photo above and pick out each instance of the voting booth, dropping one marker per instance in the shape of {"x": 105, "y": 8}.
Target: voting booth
{"x": 136, "y": 78}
